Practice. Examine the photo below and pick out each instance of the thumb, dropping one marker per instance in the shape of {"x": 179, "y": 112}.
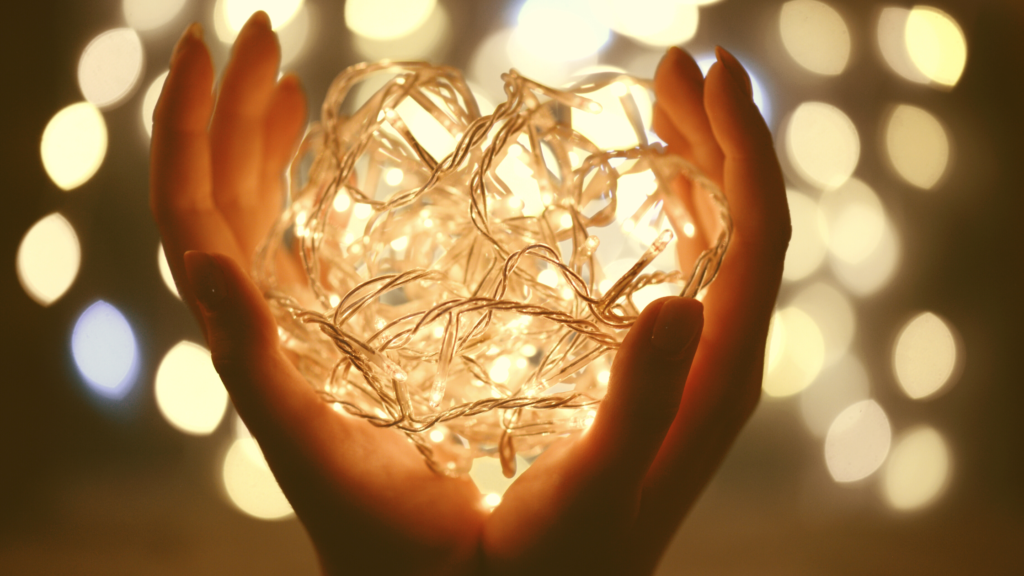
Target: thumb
{"x": 266, "y": 389}
{"x": 646, "y": 385}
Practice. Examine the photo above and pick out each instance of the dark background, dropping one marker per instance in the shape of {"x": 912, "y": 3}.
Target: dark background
{"x": 93, "y": 487}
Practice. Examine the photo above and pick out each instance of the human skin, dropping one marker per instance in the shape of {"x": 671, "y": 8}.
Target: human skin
{"x": 685, "y": 380}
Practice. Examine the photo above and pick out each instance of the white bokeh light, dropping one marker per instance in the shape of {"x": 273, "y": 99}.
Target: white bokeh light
{"x": 926, "y": 357}
{"x": 150, "y": 14}
{"x": 230, "y": 15}
{"x": 48, "y": 259}
{"x": 857, "y": 442}
{"x": 815, "y": 35}
{"x": 822, "y": 144}
{"x": 834, "y": 315}
{"x": 428, "y": 41}
{"x": 840, "y": 385}
{"x": 250, "y": 484}
{"x": 74, "y": 144}
{"x": 560, "y": 30}
{"x": 796, "y": 353}
{"x": 656, "y": 23}
{"x": 149, "y": 100}
{"x": 387, "y": 19}
{"x": 809, "y": 243}
{"x": 918, "y": 469}
{"x": 917, "y": 146}
{"x": 863, "y": 246}
{"x": 110, "y": 67}
{"x": 936, "y": 45}
{"x": 104, "y": 349}
{"x": 165, "y": 271}
{"x": 188, "y": 390}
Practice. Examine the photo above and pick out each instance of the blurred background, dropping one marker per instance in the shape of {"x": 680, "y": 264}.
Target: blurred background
{"x": 889, "y": 438}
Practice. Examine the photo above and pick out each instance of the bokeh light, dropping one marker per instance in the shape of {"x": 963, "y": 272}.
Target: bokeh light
{"x": 857, "y": 442}
{"x": 833, "y": 313}
{"x": 926, "y": 357}
{"x": 249, "y": 483}
{"x": 918, "y": 469}
{"x": 809, "y": 243}
{"x": 657, "y": 23}
{"x": 188, "y": 389}
{"x": 559, "y": 30}
{"x": 796, "y": 353}
{"x": 840, "y": 385}
{"x": 936, "y": 45}
{"x": 387, "y": 19}
{"x": 230, "y": 15}
{"x": 150, "y": 14}
{"x": 165, "y": 271}
{"x": 863, "y": 248}
{"x": 48, "y": 259}
{"x": 104, "y": 349}
{"x": 611, "y": 128}
{"x": 917, "y": 145}
{"x": 815, "y": 35}
{"x": 74, "y": 144}
{"x": 149, "y": 101}
{"x": 429, "y": 41}
{"x": 892, "y": 43}
{"x": 110, "y": 67}
{"x": 822, "y": 144}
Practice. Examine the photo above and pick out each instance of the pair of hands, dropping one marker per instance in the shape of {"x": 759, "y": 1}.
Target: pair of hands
{"x": 607, "y": 502}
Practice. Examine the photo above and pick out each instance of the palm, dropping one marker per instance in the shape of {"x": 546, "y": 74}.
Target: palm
{"x": 612, "y": 497}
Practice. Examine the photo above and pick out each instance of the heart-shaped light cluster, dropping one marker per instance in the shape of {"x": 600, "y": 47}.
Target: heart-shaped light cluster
{"x": 467, "y": 278}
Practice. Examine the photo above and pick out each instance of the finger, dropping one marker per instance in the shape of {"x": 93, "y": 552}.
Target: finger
{"x": 679, "y": 88}
{"x": 725, "y": 380}
{"x": 284, "y": 125}
{"x": 236, "y": 133}
{"x": 645, "y": 387}
{"x": 181, "y": 196}
{"x": 269, "y": 393}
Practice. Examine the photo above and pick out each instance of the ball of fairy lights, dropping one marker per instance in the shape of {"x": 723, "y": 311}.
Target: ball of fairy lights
{"x": 467, "y": 278}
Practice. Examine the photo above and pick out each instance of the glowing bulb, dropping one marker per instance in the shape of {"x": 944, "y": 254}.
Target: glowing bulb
{"x": 73, "y": 145}
{"x": 48, "y": 259}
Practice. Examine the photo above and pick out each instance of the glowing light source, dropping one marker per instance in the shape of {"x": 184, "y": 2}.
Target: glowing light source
{"x": 892, "y": 42}
{"x": 808, "y": 246}
{"x": 489, "y": 479}
{"x": 48, "y": 259}
{"x": 165, "y": 271}
{"x": 230, "y": 15}
{"x": 918, "y": 469}
{"x": 925, "y": 357}
{"x": 840, "y": 385}
{"x": 833, "y": 313}
{"x": 73, "y": 145}
{"x": 863, "y": 247}
{"x": 149, "y": 101}
{"x": 658, "y": 23}
{"x": 796, "y": 353}
{"x": 857, "y": 442}
{"x": 822, "y": 144}
{"x": 936, "y": 45}
{"x": 428, "y": 288}
{"x": 250, "y": 484}
{"x": 104, "y": 350}
{"x": 150, "y": 14}
{"x": 815, "y": 35}
{"x": 110, "y": 67}
{"x": 387, "y": 19}
{"x": 188, "y": 390}
{"x": 917, "y": 145}
{"x": 560, "y": 29}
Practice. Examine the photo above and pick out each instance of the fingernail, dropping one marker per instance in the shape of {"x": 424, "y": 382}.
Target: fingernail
{"x": 194, "y": 32}
{"x": 735, "y": 70}
{"x": 260, "y": 17}
{"x": 679, "y": 322}
{"x": 206, "y": 279}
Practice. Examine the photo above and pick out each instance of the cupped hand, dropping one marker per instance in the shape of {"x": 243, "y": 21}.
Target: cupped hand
{"x": 606, "y": 502}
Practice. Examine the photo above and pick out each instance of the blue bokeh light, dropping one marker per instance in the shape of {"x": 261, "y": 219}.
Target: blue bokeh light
{"x": 104, "y": 349}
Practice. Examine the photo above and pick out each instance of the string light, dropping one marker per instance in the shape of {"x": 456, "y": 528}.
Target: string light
{"x": 469, "y": 303}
